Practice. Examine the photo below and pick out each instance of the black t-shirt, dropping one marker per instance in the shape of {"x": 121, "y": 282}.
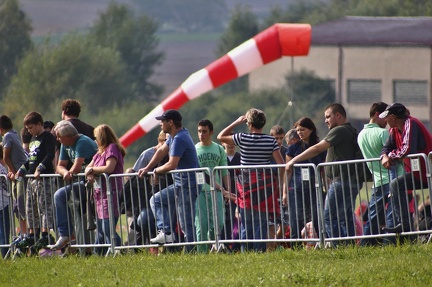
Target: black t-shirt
{"x": 83, "y": 128}
{"x": 42, "y": 150}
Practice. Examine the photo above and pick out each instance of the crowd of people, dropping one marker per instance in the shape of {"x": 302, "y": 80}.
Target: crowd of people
{"x": 167, "y": 201}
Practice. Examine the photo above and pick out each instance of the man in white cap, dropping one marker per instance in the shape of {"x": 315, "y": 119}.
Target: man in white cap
{"x": 408, "y": 135}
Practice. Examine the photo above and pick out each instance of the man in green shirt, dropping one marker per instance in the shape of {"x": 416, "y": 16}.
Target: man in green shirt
{"x": 371, "y": 141}
{"x": 210, "y": 154}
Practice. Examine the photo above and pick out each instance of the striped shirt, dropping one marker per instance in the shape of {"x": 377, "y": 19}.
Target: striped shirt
{"x": 255, "y": 149}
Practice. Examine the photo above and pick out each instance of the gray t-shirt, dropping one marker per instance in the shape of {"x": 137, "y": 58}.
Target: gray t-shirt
{"x": 144, "y": 158}
{"x": 18, "y": 156}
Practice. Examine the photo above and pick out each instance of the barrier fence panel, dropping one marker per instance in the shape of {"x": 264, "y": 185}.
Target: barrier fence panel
{"x": 75, "y": 212}
{"x": 260, "y": 217}
{"x": 391, "y": 205}
{"x": 165, "y": 203}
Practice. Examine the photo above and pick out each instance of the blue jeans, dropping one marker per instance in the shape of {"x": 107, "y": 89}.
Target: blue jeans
{"x": 380, "y": 213}
{"x": 254, "y": 225}
{"x": 162, "y": 205}
{"x": 186, "y": 196}
{"x": 63, "y": 212}
{"x": 146, "y": 224}
{"x": 338, "y": 209}
{"x": 103, "y": 234}
{"x": 4, "y": 229}
{"x": 400, "y": 199}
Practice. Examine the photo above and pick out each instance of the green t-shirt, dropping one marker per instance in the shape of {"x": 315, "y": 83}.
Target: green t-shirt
{"x": 212, "y": 156}
{"x": 371, "y": 141}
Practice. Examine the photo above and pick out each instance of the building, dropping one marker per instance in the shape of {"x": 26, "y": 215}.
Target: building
{"x": 368, "y": 59}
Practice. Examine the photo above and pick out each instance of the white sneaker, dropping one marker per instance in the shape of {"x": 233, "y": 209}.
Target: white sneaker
{"x": 61, "y": 242}
{"x": 222, "y": 248}
{"x": 163, "y": 238}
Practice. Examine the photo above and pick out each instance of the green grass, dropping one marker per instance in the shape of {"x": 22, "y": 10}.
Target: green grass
{"x": 407, "y": 265}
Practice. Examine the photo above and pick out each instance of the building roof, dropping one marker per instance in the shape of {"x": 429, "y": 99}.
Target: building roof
{"x": 374, "y": 31}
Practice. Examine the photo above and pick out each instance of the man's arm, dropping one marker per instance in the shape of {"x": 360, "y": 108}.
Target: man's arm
{"x": 388, "y": 147}
{"x": 170, "y": 165}
{"x": 7, "y": 159}
{"x": 62, "y": 170}
{"x": 308, "y": 154}
{"x": 157, "y": 158}
{"x": 68, "y": 174}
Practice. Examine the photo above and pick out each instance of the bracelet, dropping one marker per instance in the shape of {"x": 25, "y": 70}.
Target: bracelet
{"x": 22, "y": 170}
{"x": 154, "y": 170}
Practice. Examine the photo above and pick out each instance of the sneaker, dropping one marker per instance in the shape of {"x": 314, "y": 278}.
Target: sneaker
{"x": 43, "y": 242}
{"x": 222, "y": 248}
{"x": 163, "y": 238}
{"x": 61, "y": 243}
{"x": 26, "y": 242}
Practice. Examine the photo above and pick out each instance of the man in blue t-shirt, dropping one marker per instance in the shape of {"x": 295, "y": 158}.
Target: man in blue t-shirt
{"x": 78, "y": 149}
{"x": 182, "y": 155}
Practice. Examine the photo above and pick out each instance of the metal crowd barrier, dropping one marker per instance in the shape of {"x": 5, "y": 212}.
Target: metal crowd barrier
{"x": 6, "y": 216}
{"x": 137, "y": 225}
{"x": 321, "y": 208}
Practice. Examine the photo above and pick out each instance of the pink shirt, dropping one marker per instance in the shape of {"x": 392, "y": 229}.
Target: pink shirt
{"x": 100, "y": 194}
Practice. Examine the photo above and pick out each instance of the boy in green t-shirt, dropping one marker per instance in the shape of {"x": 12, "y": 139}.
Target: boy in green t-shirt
{"x": 210, "y": 154}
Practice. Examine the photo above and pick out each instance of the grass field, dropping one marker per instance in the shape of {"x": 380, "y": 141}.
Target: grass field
{"x": 407, "y": 265}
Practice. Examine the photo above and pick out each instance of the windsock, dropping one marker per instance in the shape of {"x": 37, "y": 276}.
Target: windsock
{"x": 271, "y": 44}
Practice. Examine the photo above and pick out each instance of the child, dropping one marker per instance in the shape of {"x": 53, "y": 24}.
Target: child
{"x": 279, "y": 134}
{"x": 38, "y": 192}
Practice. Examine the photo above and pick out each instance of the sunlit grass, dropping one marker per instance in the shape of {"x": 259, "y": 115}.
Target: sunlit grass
{"x": 407, "y": 265}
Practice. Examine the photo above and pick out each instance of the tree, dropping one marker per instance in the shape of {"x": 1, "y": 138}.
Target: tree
{"x": 134, "y": 38}
{"x": 73, "y": 68}
{"x": 15, "y": 31}
{"x": 241, "y": 27}
{"x": 316, "y": 11}
{"x": 187, "y": 15}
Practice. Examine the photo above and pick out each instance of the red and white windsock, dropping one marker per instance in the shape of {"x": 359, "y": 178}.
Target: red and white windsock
{"x": 269, "y": 45}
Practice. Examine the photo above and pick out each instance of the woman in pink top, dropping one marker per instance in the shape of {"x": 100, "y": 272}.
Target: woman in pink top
{"x": 109, "y": 159}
